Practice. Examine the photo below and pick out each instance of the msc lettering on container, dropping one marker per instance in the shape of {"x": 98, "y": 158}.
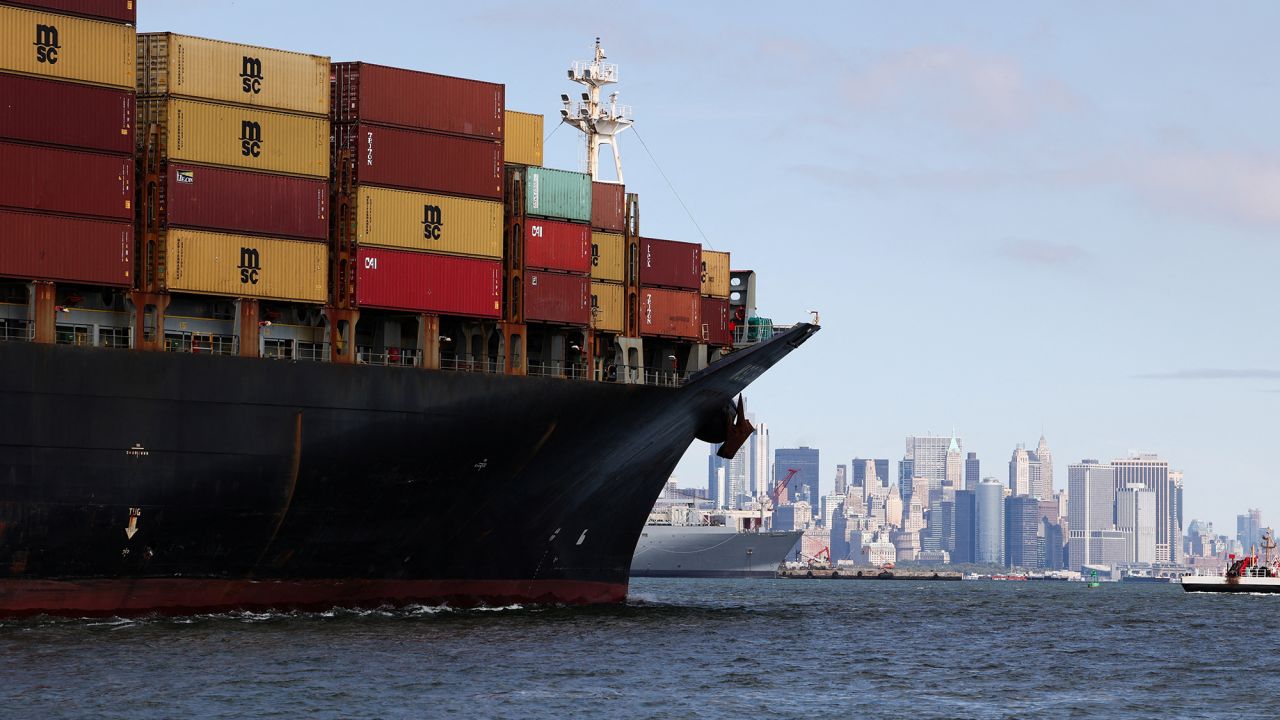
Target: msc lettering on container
{"x": 46, "y": 43}
{"x": 251, "y": 75}
{"x": 250, "y": 266}
{"x": 250, "y": 138}
{"x": 432, "y": 222}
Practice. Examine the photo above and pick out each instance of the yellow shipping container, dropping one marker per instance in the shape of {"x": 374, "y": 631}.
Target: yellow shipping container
{"x": 522, "y": 140}
{"x": 244, "y": 266}
{"x": 222, "y": 71}
{"x": 67, "y": 48}
{"x": 421, "y": 221}
{"x": 715, "y": 273}
{"x": 608, "y": 303}
{"x": 608, "y": 257}
{"x": 238, "y": 137}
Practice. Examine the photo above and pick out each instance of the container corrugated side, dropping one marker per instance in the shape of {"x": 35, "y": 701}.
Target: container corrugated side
{"x": 557, "y": 194}
{"x": 424, "y": 221}
{"x": 608, "y": 257}
{"x": 246, "y": 266}
{"x": 381, "y": 95}
{"x": 429, "y": 283}
{"x": 608, "y": 206}
{"x": 64, "y": 47}
{"x": 522, "y": 141}
{"x": 240, "y": 201}
{"x": 715, "y": 273}
{"x": 66, "y": 181}
{"x": 423, "y": 161}
{"x": 557, "y": 245}
{"x": 204, "y": 69}
{"x": 670, "y": 313}
{"x": 715, "y": 322}
{"x": 554, "y": 297}
{"x": 671, "y": 264}
{"x": 68, "y": 249}
{"x": 119, "y": 11}
{"x": 608, "y": 307}
{"x": 238, "y": 137}
{"x": 55, "y": 112}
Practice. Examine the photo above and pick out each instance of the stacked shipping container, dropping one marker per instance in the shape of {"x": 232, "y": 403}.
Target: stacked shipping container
{"x": 425, "y": 155}
{"x": 242, "y": 134}
{"x": 66, "y": 142}
{"x": 608, "y": 257}
{"x": 670, "y": 280}
{"x": 716, "y": 323}
{"x": 557, "y": 247}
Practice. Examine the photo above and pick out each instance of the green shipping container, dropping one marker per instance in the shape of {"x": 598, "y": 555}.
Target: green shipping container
{"x": 557, "y": 194}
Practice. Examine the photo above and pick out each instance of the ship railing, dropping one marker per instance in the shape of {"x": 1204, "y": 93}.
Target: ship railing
{"x": 16, "y": 331}
{"x": 570, "y": 371}
{"x": 665, "y": 378}
{"x": 389, "y": 356}
{"x": 200, "y": 343}
{"x": 495, "y": 365}
{"x": 91, "y": 335}
{"x": 311, "y": 352}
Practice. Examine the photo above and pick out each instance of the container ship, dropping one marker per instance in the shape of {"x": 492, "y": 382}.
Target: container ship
{"x": 279, "y": 332}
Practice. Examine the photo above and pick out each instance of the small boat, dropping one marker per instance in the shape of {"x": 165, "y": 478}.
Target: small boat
{"x": 1247, "y": 574}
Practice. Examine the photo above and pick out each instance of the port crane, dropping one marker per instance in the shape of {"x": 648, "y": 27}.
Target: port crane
{"x": 776, "y": 493}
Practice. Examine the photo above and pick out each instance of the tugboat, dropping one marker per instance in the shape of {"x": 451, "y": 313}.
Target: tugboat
{"x": 1246, "y": 574}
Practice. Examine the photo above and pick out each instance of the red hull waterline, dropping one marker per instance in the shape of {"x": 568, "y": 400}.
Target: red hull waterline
{"x": 181, "y": 596}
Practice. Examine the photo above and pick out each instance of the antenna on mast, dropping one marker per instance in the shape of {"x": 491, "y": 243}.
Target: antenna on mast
{"x": 601, "y": 122}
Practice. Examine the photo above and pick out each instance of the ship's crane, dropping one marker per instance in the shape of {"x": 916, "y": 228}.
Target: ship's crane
{"x": 776, "y": 493}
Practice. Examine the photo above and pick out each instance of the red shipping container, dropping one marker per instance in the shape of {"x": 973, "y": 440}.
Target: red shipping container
{"x": 425, "y": 282}
{"x": 123, "y": 11}
{"x": 555, "y": 245}
{"x": 667, "y": 263}
{"x": 557, "y": 298}
{"x": 66, "y": 181}
{"x": 246, "y": 202}
{"x": 67, "y": 249}
{"x": 429, "y": 162}
{"x": 608, "y": 206}
{"x": 715, "y": 322}
{"x": 66, "y": 113}
{"x": 670, "y": 313}
{"x": 364, "y": 93}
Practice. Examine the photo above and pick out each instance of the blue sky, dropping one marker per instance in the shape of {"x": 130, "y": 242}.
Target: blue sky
{"x": 1012, "y": 216}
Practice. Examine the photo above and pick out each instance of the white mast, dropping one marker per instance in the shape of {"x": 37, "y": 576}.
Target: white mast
{"x": 601, "y": 122}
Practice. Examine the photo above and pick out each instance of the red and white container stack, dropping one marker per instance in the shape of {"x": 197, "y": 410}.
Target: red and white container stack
{"x": 670, "y": 280}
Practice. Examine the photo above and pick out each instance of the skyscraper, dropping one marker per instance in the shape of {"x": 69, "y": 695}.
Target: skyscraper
{"x": 1092, "y": 490}
{"x": 842, "y": 479}
{"x": 1176, "y": 554}
{"x": 761, "y": 474}
{"x": 804, "y": 486}
{"x": 1020, "y": 471}
{"x": 1249, "y": 529}
{"x": 736, "y": 478}
{"x": 972, "y": 471}
{"x": 715, "y": 477}
{"x": 966, "y": 526}
{"x": 989, "y": 522}
{"x": 928, "y": 456}
{"x": 1136, "y": 518}
{"x": 1152, "y": 473}
{"x": 955, "y": 464}
{"x": 870, "y": 472}
{"x": 1023, "y": 544}
{"x": 1042, "y": 472}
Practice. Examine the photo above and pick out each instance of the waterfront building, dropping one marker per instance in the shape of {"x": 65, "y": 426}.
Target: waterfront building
{"x": 906, "y": 544}
{"x": 1175, "y": 517}
{"x": 1136, "y": 518}
{"x": 972, "y": 472}
{"x": 1092, "y": 508}
{"x": 1108, "y": 547}
{"x": 1249, "y": 529}
{"x": 1022, "y": 540}
{"x": 792, "y": 516}
{"x": 830, "y": 505}
{"x": 989, "y": 522}
{"x": 1151, "y": 472}
{"x": 804, "y": 486}
{"x": 966, "y": 526}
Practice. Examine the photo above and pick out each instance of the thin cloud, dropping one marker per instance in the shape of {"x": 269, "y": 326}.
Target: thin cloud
{"x": 1044, "y": 254}
{"x": 1214, "y": 374}
{"x": 1241, "y": 187}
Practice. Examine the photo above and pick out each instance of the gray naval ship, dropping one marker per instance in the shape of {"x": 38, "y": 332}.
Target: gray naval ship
{"x": 682, "y": 541}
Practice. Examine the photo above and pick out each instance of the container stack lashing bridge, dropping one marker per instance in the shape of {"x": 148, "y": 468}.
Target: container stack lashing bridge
{"x": 728, "y": 426}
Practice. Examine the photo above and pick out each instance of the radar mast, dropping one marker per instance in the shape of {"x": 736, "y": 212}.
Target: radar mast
{"x": 600, "y": 122}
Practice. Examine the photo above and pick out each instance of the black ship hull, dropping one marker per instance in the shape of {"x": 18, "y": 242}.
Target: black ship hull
{"x": 135, "y": 482}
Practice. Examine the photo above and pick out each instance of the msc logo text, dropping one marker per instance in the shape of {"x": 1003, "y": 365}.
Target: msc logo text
{"x": 250, "y": 139}
{"x": 46, "y": 43}
{"x": 432, "y": 222}
{"x": 250, "y": 266}
{"x": 251, "y": 75}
